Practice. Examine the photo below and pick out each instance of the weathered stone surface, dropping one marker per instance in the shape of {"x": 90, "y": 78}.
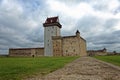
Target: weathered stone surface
{"x": 69, "y": 45}
{"x": 26, "y": 52}
{"x": 84, "y": 68}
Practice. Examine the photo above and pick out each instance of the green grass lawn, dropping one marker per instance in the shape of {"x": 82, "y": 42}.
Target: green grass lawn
{"x": 18, "y": 68}
{"x": 111, "y": 59}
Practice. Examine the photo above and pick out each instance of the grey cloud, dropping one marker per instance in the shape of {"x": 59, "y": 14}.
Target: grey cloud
{"x": 31, "y": 5}
{"x": 100, "y": 6}
{"x": 106, "y": 40}
{"x": 75, "y": 1}
{"x": 111, "y": 23}
{"x": 117, "y": 33}
{"x": 88, "y": 22}
{"x": 36, "y": 35}
{"x": 14, "y": 32}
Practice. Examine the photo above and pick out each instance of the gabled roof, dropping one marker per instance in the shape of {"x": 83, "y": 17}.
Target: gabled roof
{"x": 52, "y": 21}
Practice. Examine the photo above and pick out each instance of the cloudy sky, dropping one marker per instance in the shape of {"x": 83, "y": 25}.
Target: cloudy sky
{"x": 97, "y": 20}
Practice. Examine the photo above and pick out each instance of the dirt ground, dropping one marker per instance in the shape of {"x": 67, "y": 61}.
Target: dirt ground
{"x": 84, "y": 68}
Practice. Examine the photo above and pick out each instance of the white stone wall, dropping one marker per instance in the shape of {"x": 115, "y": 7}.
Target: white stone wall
{"x": 48, "y": 33}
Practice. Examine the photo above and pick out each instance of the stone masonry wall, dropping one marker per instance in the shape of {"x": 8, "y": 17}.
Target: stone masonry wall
{"x": 83, "y": 47}
{"x": 26, "y": 52}
{"x": 70, "y": 46}
{"x": 57, "y": 47}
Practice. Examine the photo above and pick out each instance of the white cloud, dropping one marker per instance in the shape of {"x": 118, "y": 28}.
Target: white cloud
{"x": 74, "y": 11}
{"x": 113, "y": 4}
{"x": 11, "y": 7}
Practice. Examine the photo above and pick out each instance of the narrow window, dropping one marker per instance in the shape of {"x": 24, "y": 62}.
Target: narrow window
{"x": 66, "y": 50}
{"x": 74, "y": 50}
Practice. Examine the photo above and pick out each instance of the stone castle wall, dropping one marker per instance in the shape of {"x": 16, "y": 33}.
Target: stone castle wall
{"x": 83, "y": 47}
{"x": 57, "y": 47}
{"x": 69, "y": 46}
{"x": 26, "y": 52}
{"x": 97, "y": 52}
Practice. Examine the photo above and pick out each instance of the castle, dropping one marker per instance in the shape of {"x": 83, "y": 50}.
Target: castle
{"x": 54, "y": 43}
{"x": 97, "y": 52}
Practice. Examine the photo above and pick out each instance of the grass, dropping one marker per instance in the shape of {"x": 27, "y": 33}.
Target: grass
{"x": 18, "y": 68}
{"x": 110, "y": 59}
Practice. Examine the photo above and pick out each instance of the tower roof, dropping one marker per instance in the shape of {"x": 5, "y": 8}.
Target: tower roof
{"x": 52, "y": 21}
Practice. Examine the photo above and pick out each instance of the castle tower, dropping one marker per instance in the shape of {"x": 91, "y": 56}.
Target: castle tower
{"x": 51, "y": 28}
{"x": 77, "y": 33}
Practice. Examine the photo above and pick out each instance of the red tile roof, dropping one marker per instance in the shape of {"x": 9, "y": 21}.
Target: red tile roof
{"x": 52, "y": 21}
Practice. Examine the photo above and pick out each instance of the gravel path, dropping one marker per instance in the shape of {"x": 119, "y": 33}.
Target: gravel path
{"x": 84, "y": 68}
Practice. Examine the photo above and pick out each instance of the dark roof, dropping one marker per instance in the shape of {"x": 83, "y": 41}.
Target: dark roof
{"x": 77, "y": 31}
{"x": 69, "y": 36}
{"x": 52, "y": 21}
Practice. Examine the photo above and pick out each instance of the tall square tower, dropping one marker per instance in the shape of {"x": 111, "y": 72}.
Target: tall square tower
{"x": 51, "y": 28}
